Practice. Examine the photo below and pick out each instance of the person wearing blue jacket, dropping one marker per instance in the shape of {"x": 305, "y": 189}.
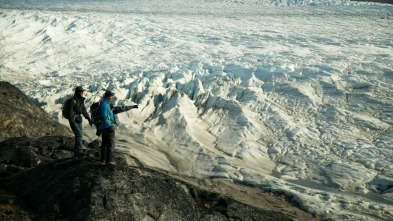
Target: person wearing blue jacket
{"x": 107, "y": 127}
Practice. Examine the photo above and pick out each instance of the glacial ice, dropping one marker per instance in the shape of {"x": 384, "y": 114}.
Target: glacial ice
{"x": 295, "y": 100}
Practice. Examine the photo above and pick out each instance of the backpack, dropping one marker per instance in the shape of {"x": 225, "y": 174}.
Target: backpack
{"x": 66, "y": 107}
{"x": 95, "y": 113}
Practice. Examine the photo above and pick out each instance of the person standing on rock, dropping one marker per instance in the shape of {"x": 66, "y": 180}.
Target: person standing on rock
{"x": 76, "y": 109}
{"x": 107, "y": 127}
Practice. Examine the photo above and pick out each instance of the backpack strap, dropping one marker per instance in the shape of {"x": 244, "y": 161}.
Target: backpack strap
{"x": 107, "y": 114}
{"x": 73, "y": 106}
{"x": 74, "y": 109}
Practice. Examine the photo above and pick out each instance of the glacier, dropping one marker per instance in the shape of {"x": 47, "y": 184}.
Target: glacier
{"x": 293, "y": 97}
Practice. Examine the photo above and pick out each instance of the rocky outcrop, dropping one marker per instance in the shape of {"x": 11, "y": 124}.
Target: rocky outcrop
{"x": 17, "y": 154}
{"x": 20, "y": 117}
{"x": 20, "y": 153}
{"x": 83, "y": 189}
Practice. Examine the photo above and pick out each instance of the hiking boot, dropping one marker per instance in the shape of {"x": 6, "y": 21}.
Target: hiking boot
{"x": 103, "y": 162}
{"x": 111, "y": 163}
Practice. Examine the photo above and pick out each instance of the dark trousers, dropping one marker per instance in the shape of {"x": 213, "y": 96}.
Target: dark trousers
{"x": 108, "y": 145}
{"x": 77, "y": 129}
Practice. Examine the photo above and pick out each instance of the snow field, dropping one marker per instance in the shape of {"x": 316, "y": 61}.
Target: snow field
{"x": 294, "y": 100}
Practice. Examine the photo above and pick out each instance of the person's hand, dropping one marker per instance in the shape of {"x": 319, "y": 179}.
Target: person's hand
{"x": 111, "y": 129}
{"x": 135, "y": 106}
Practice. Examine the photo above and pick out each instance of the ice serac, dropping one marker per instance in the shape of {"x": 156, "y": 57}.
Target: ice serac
{"x": 343, "y": 176}
{"x": 229, "y": 89}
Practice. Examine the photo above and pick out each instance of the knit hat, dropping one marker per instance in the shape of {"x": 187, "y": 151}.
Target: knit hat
{"x": 109, "y": 94}
{"x": 79, "y": 89}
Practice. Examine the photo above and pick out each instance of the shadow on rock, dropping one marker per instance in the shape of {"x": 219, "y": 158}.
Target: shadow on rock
{"x": 17, "y": 154}
{"x": 83, "y": 189}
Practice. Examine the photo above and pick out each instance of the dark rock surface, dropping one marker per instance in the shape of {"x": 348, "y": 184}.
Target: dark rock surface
{"x": 20, "y": 117}
{"x": 17, "y": 154}
{"x": 10, "y": 208}
{"x": 20, "y": 153}
{"x": 83, "y": 189}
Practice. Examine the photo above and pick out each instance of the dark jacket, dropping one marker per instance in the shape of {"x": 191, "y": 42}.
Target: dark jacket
{"x": 78, "y": 108}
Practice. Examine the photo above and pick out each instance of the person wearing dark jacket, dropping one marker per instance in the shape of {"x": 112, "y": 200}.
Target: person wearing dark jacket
{"x": 77, "y": 109}
{"x": 107, "y": 127}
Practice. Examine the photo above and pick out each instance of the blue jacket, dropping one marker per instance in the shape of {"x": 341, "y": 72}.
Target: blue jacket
{"x": 104, "y": 111}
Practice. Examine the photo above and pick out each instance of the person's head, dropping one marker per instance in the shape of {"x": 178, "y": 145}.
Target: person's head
{"x": 109, "y": 95}
{"x": 79, "y": 91}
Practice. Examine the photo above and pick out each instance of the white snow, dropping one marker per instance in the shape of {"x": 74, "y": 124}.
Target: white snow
{"x": 290, "y": 96}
